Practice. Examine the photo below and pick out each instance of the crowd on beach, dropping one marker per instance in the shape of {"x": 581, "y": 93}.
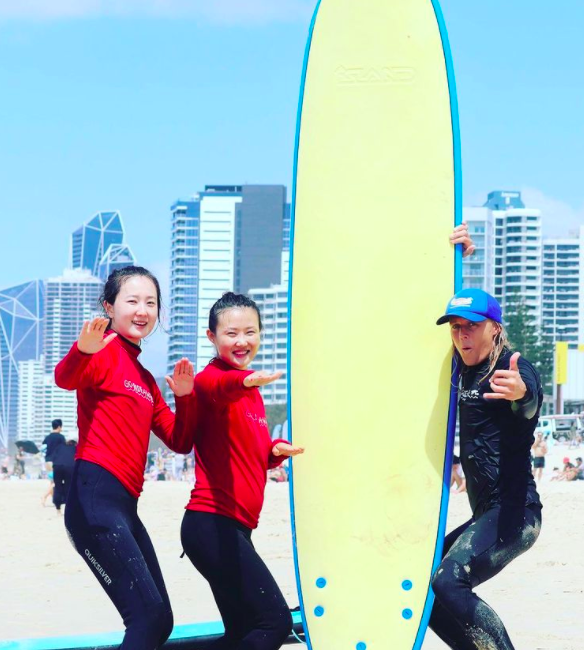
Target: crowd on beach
{"x": 161, "y": 465}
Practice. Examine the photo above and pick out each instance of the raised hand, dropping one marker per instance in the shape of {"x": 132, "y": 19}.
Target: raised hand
{"x": 284, "y": 449}
{"x": 460, "y": 236}
{"x": 182, "y": 381}
{"x": 261, "y": 378}
{"x": 91, "y": 338}
{"x": 507, "y": 384}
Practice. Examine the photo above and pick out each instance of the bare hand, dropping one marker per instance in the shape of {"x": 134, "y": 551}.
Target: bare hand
{"x": 182, "y": 381}
{"x": 91, "y": 338}
{"x": 460, "y": 236}
{"x": 261, "y": 378}
{"x": 507, "y": 384}
{"x": 284, "y": 449}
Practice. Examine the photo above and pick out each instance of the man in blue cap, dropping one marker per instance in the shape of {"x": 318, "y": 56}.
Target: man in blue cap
{"x": 500, "y": 396}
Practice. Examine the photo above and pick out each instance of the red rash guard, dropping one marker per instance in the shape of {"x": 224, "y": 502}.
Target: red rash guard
{"x": 118, "y": 404}
{"x": 233, "y": 448}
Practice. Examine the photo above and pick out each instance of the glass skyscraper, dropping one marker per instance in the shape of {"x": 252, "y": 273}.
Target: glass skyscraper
{"x": 117, "y": 256}
{"x": 21, "y": 339}
{"x": 90, "y": 242}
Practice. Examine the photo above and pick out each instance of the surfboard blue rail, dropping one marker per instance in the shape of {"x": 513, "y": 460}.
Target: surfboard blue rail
{"x": 183, "y": 637}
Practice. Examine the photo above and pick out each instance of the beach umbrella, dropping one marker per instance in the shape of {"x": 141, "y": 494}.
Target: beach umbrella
{"x": 27, "y": 446}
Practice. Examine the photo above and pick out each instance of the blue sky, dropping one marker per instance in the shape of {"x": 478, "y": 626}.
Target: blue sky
{"x": 130, "y": 104}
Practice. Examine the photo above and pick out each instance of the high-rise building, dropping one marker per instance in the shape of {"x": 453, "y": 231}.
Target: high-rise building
{"x": 477, "y": 270}
{"x": 90, "y": 242}
{"x": 30, "y": 379}
{"x": 71, "y": 299}
{"x": 563, "y": 288}
{"x": 518, "y": 252}
{"x": 286, "y": 240}
{"x": 184, "y": 281}
{"x": 273, "y": 353}
{"x": 117, "y": 256}
{"x": 226, "y": 238}
{"x": 508, "y": 260}
{"x": 21, "y": 317}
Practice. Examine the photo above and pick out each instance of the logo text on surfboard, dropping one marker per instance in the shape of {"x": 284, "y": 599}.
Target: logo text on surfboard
{"x": 374, "y": 75}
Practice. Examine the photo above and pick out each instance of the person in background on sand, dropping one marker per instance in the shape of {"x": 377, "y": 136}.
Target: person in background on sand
{"x": 539, "y": 451}
{"x": 4, "y": 467}
{"x": 19, "y": 468}
{"x": 51, "y": 442}
{"x": 457, "y": 476}
{"x": 119, "y": 403}
{"x": 500, "y": 396}
{"x": 63, "y": 464}
{"x": 233, "y": 452}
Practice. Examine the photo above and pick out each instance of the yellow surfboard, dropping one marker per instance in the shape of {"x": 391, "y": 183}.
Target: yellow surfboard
{"x": 376, "y": 194}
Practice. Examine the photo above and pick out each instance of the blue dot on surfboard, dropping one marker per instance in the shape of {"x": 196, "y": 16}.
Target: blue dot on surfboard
{"x": 407, "y": 614}
{"x": 321, "y": 583}
{"x": 318, "y": 611}
{"x": 407, "y": 585}
{"x": 361, "y": 646}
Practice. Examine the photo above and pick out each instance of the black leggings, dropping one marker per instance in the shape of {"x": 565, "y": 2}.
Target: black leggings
{"x": 62, "y": 479}
{"x": 102, "y": 521}
{"x": 254, "y": 612}
{"x": 473, "y": 553}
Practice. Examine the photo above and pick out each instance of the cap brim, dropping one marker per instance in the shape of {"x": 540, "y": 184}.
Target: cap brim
{"x": 461, "y": 313}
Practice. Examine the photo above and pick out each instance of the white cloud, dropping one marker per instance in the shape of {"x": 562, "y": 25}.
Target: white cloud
{"x": 217, "y": 11}
{"x": 559, "y": 218}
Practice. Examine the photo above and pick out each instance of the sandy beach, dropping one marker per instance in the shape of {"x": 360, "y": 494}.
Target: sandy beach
{"x": 48, "y": 591}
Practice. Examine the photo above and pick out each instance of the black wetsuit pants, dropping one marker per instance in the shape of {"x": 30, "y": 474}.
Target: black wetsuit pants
{"x": 254, "y": 612}
{"x": 62, "y": 478}
{"x": 473, "y": 553}
{"x": 102, "y": 520}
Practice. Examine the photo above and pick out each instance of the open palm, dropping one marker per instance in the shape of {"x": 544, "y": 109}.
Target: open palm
{"x": 182, "y": 381}
{"x": 91, "y": 338}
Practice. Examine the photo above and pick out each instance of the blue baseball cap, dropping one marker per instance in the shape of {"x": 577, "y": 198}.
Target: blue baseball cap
{"x": 475, "y": 305}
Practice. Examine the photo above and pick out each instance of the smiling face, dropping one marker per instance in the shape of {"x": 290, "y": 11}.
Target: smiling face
{"x": 473, "y": 341}
{"x": 237, "y": 336}
{"x": 135, "y": 309}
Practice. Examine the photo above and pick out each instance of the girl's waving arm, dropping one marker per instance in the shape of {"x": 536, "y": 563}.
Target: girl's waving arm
{"x": 81, "y": 367}
{"x": 177, "y": 430}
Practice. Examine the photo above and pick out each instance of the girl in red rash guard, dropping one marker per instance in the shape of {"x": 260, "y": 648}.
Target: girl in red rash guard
{"x": 233, "y": 451}
{"x": 119, "y": 404}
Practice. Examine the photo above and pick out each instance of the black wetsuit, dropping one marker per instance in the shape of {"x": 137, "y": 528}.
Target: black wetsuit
{"x": 495, "y": 443}
{"x": 252, "y": 607}
{"x": 102, "y": 520}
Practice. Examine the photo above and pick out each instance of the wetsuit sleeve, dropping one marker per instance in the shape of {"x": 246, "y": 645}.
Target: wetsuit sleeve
{"x": 222, "y": 387}
{"x": 176, "y": 430}
{"x": 79, "y": 370}
{"x": 276, "y": 461}
{"x": 527, "y": 406}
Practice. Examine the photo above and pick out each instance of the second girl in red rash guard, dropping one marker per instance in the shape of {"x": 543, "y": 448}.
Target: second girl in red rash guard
{"x": 233, "y": 451}
{"x": 119, "y": 404}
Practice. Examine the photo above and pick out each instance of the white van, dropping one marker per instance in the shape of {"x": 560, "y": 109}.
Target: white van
{"x": 559, "y": 427}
